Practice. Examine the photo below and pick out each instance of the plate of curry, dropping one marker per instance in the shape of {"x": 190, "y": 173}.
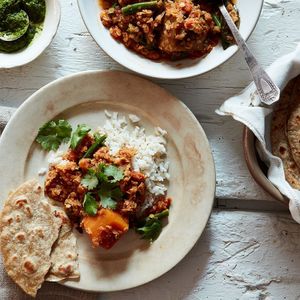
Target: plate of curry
{"x": 109, "y": 263}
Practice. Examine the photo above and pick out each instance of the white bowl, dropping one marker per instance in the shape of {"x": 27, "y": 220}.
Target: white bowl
{"x": 90, "y": 11}
{"x": 40, "y": 42}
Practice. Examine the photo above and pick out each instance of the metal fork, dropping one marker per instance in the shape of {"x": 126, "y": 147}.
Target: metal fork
{"x": 266, "y": 88}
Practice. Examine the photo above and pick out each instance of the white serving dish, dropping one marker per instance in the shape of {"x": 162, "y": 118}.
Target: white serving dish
{"x": 39, "y": 43}
{"x": 90, "y": 11}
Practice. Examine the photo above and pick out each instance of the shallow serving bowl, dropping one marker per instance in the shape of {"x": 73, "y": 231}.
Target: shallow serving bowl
{"x": 39, "y": 43}
{"x": 90, "y": 11}
{"x": 257, "y": 168}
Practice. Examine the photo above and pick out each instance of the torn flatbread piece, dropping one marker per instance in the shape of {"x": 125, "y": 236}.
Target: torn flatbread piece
{"x": 279, "y": 139}
{"x": 28, "y": 229}
{"x": 293, "y": 124}
{"x": 64, "y": 255}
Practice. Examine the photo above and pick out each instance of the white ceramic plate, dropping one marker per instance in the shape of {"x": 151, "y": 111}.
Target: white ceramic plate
{"x": 83, "y": 97}
{"x": 90, "y": 11}
{"x": 40, "y": 42}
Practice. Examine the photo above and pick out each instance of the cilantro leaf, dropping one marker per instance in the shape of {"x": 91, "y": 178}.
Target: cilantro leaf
{"x": 113, "y": 173}
{"x": 90, "y": 205}
{"x": 106, "y": 199}
{"x": 151, "y": 227}
{"x": 102, "y": 178}
{"x": 151, "y": 230}
{"x": 109, "y": 194}
{"x": 90, "y": 180}
{"x": 116, "y": 193}
{"x": 53, "y": 133}
{"x": 81, "y": 131}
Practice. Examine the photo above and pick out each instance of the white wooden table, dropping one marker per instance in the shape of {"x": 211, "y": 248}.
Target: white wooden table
{"x": 251, "y": 247}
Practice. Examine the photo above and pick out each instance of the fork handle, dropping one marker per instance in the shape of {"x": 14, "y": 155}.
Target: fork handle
{"x": 266, "y": 88}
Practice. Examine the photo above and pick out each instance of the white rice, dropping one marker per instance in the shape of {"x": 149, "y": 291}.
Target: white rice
{"x": 151, "y": 156}
{"x": 55, "y": 157}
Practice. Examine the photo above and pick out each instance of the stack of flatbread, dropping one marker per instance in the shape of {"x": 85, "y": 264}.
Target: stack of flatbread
{"x": 36, "y": 239}
{"x": 285, "y": 132}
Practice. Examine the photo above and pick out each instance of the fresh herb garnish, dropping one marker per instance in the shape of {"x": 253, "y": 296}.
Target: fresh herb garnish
{"x": 113, "y": 173}
{"x": 109, "y": 194}
{"x": 104, "y": 182}
{"x": 151, "y": 227}
{"x": 90, "y": 180}
{"x": 90, "y": 205}
{"x": 81, "y": 131}
{"x": 53, "y": 133}
{"x": 99, "y": 140}
{"x": 106, "y": 199}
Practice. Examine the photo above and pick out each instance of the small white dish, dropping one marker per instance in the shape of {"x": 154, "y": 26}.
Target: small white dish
{"x": 90, "y": 12}
{"x": 39, "y": 43}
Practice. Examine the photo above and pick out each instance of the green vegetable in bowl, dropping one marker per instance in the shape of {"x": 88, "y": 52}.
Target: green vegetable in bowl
{"x": 36, "y": 9}
{"x": 20, "y": 43}
{"x": 226, "y": 41}
{"x": 20, "y": 20}
{"x": 14, "y": 26}
{"x": 135, "y": 7}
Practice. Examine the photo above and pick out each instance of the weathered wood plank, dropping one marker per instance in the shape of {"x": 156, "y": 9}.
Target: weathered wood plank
{"x": 73, "y": 50}
{"x": 241, "y": 255}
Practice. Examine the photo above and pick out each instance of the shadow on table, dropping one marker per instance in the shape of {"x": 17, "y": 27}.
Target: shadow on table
{"x": 179, "y": 282}
{"x": 175, "y": 284}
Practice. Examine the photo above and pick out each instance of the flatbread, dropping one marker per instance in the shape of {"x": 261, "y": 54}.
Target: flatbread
{"x": 28, "y": 229}
{"x": 64, "y": 255}
{"x": 279, "y": 140}
{"x": 293, "y": 125}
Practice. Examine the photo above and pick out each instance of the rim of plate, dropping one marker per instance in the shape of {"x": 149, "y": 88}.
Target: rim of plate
{"x": 211, "y": 174}
{"x": 39, "y": 43}
{"x": 227, "y": 54}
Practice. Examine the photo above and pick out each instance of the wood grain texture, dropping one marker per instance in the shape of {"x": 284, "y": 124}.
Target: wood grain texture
{"x": 74, "y": 50}
{"x": 241, "y": 255}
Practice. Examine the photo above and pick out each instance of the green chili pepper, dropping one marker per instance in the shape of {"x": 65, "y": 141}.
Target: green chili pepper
{"x": 98, "y": 142}
{"x": 134, "y": 8}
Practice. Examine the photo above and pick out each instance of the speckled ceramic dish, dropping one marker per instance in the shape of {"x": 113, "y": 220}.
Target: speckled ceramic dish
{"x": 83, "y": 97}
{"x": 90, "y": 12}
{"x": 40, "y": 42}
{"x": 257, "y": 168}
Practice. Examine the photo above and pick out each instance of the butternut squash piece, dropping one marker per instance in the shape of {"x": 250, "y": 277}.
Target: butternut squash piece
{"x": 105, "y": 228}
